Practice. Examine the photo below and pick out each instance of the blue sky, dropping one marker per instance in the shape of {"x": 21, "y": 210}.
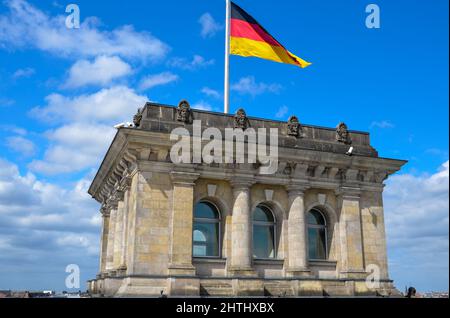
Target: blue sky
{"x": 61, "y": 91}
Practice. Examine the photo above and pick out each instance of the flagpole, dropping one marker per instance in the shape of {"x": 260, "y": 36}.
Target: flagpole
{"x": 226, "y": 94}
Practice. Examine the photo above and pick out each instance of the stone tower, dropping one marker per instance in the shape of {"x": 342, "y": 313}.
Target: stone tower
{"x": 315, "y": 226}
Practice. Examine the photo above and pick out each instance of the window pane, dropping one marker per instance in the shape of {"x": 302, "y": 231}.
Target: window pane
{"x": 262, "y": 214}
{"x": 199, "y": 250}
{"x": 206, "y": 239}
{"x": 199, "y": 236}
{"x": 321, "y": 244}
{"x": 263, "y": 242}
{"x": 205, "y": 210}
{"x": 316, "y": 243}
{"x": 312, "y": 243}
{"x": 315, "y": 217}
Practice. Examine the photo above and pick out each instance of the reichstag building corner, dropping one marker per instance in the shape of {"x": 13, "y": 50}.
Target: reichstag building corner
{"x": 308, "y": 223}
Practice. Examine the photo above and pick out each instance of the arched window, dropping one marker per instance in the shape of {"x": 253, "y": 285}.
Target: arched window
{"x": 317, "y": 235}
{"x": 206, "y": 232}
{"x": 263, "y": 233}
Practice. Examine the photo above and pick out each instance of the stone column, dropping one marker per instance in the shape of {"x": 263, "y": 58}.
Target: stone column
{"x": 110, "y": 246}
{"x": 118, "y": 232}
{"x": 296, "y": 264}
{"x": 104, "y": 239}
{"x": 180, "y": 254}
{"x": 240, "y": 262}
{"x": 124, "y": 240}
{"x": 350, "y": 232}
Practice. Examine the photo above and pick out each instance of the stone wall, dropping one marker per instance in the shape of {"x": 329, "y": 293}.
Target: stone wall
{"x": 148, "y": 206}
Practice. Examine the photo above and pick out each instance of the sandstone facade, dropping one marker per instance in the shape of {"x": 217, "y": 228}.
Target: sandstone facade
{"x": 148, "y": 206}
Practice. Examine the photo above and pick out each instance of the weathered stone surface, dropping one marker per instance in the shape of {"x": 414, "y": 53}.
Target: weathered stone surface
{"x": 148, "y": 207}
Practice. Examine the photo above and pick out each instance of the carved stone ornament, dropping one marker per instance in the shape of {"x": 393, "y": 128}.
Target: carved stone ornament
{"x": 293, "y": 127}
{"x": 137, "y": 118}
{"x": 184, "y": 112}
{"x": 240, "y": 120}
{"x": 342, "y": 134}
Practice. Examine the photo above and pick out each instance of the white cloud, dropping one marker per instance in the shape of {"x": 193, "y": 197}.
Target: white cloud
{"x": 437, "y": 152}
{"x": 43, "y": 228}
{"x": 23, "y": 72}
{"x": 21, "y": 145}
{"x": 25, "y": 26}
{"x": 191, "y": 65}
{"x": 382, "y": 124}
{"x": 417, "y": 215}
{"x": 282, "y": 111}
{"x": 117, "y": 103}
{"x": 202, "y": 105}
{"x": 6, "y": 102}
{"x": 209, "y": 26}
{"x": 157, "y": 80}
{"x": 248, "y": 85}
{"x": 101, "y": 71}
{"x": 211, "y": 92}
{"x": 14, "y": 129}
{"x": 73, "y": 148}
{"x": 86, "y": 130}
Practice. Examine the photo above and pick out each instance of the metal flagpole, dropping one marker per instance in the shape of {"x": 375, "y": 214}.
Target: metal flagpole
{"x": 226, "y": 94}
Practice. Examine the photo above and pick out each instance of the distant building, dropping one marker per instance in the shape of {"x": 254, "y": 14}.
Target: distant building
{"x": 315, "y": 227}
{"x": 5, "y": 293}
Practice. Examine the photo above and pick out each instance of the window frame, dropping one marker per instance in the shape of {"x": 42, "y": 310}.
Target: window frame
{"x": 265, "y": 224}
{"x": 217, "y": 220}
{"x": 315, "y": 226}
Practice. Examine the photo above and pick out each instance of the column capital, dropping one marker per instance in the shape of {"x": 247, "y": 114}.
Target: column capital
{"x": 241, "y": 183}
{"x": 112, "y": 202}
{"x": 105, "y": 211}
{"x": 184, "y": 178}
{"x": 296, "y": 189}
{"x": 125, "y": 183}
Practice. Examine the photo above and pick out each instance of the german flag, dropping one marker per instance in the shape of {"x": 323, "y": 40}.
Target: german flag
{"x": 249, "y": 38}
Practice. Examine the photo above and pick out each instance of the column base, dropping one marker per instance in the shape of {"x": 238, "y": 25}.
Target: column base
{"x": 300, "y": 272}
{"x": 179, "y": 286}
{"x": 111, "y": 273}
{"x": 121, "y": 270}
{"x": 353, "y": 274}
{"x": 241, "y": 272}
{"x": 181, "y": 270}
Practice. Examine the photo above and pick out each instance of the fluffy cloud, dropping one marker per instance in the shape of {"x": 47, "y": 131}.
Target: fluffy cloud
{"x": 101, "y": 71}
{"x": 417, "y": 213}
{"x": 211, "y": 92}
{"x": 117, "y": 103}
{"x": 23, "y": 72}
{"x": 27, "y": 26}
{"x": 21, "y": 145}
{"x": 202, "y": 105}
{"x": 151, "y": 81}
{"x": 209, "y": 26}
{"x": 37, "y": 219}
{"x": 191, "y": 65}
{"x": 249, "y": 86}
{"x": 74, "y": 147}
{"x": 282, "y": 111}
{"x": 14, "y": 129}
{"x": 6, "y": 102}
{"x": 86, "y": 130}
{"x": 382, "y": 124}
